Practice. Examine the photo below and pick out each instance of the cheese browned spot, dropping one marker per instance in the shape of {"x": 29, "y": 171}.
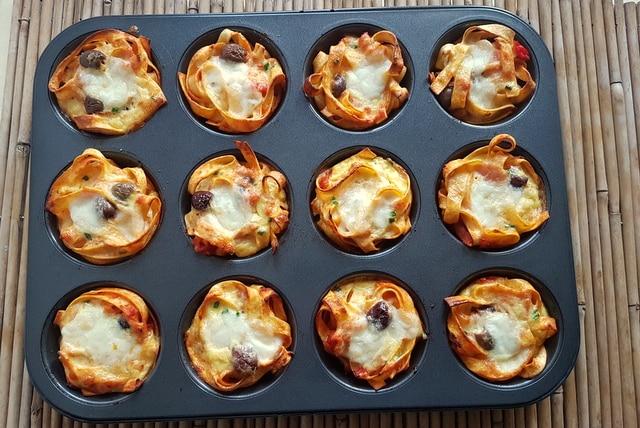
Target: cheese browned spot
{"x": 498, "y": 327}
{"x": 363, "y": 201}
{"x": 237, "y": 208}
{"x": 357, "y": 84}
{"x": 482, "y": 77}
{"x": 238, "y": 334}
{"x": 371, "y": 325}
{"x": 492, "y": 197}
{"x": 235, "y": 86}
{"x": 104, "y": 213}
{"x": 109, "y": 83}
{"x": 109, "y": 341}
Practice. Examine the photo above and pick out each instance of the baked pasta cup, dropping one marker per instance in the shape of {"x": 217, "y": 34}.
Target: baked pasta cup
{"x": 237, "y": 208}
{"x": 238, "y": 335}
{"x": 363, "y": 201}
{"x": 109, "y": 84}
{"x": 358, "y": 83}
{"x": 104, "y": 213}
{"x": 236, "y": 87}
{"x": 483, "y": 77}
{"x": 371, "y": 326}
{"x": 498, "y": 326}
{"x": 491, "y": 197}
{"x": 109, "y": 341}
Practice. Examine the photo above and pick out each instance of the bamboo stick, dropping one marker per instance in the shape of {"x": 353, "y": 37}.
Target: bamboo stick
{"x": 600, "y": 191}
{"x": 591, "y": 185}
{"x": 624, "y": 256}
{"x": 634, "y": 64}
{"x": 573, "y": 158}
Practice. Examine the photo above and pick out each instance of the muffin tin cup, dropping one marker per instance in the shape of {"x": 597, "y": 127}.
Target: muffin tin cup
{"x": 429, "y": 260}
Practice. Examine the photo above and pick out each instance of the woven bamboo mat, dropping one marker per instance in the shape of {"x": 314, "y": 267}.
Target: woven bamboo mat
{"x": 595, "y": 45}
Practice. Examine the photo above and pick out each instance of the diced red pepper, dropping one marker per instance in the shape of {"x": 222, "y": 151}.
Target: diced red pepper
{"x": 521, "y": 52}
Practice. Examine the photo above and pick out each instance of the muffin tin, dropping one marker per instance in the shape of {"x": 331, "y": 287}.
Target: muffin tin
{"x": 429, "y": 261}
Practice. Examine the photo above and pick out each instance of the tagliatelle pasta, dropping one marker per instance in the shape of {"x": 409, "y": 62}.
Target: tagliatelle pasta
{"x": 357, "y": 84}
{"x": 235, "y": 86}
{"x": 483, "y": 77}
{"x": 238, "y": 335}
{"x": 237, "y": 208}
{"x": 498, "y": 327}
{"x": 109, "y": 83}
{"x": 363, "y": 201}
{"x": 371, "y": 325}
{"x": 104, "y": 213}
{"x": 109, "y": 341}
{"x": 490, "y": 197}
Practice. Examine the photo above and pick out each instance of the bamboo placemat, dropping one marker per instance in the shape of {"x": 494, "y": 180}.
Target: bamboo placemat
{"x": 595, "y": 45}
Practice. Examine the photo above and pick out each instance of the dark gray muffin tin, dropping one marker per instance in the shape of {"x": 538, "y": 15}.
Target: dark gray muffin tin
{"x": 429, "y": 261}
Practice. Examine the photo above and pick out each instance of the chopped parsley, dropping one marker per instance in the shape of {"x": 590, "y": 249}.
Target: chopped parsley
{"x": 261, "y": 232}
{"x": 115, "y": 110}
{"x": 267, "y": 66}
{"x": 334, "y": 201}
{"x": 535, "y": 315}
{"x": 354, "y": 45}
{"x": 392, "y": 217}
{"x": 225, "y": 311}
{"x": 87, "y": 236}
{"x": 216, "y": 305}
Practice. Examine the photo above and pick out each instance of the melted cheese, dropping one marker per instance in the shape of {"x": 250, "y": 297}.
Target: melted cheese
{"x": 99, "y": 336}
{"x": 234, "y": 86}
{"x": 490, "y": 200}
{"x": 359, "y": 212}
{"x": 506, "y": 334}
{"x": 368, "y": 80}
{"x": 369, "y": 346}
{"x": 85, "y": 216}
{"x": 114, "y": 84}
{"x": 483, "y": 88}
{"x": 229, "y": 209}
{"x": 222, "y": 328}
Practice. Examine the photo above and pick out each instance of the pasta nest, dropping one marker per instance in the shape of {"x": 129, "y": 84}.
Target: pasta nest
{"x": 371, "y": 325}
{"x": 104, "y": 213}
{"x": 358, "y": 83}
{"x": 237, "y": 208}
{"x": 238, "y": 335}
{"x": 498, "y": 326}
{"x": 363, "y": 201}
{"x": 491, "y": 197}
{"x": 109, "y": 341}
{"x": 483, "y": 77}
{"x": 235, "y": 92}
{"x": 109, "y": 83}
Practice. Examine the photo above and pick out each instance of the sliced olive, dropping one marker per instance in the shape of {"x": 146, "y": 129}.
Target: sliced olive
{"x": 485, "y": 340}
{"x": 122, "y": 190}
{"x": 105, "y": 208}
{"x": 200, "y": 200}
{"x": 92, "y": 105}
{"x": 338, "y": 85}
{"x": 233, "y": 52}
{"x": 92, "y": 59}
{"x": 517, "y": 181}
{"x": 244, "y": 359}
{"x": 378, "y": 315}
{"x": 444, "y": 97}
